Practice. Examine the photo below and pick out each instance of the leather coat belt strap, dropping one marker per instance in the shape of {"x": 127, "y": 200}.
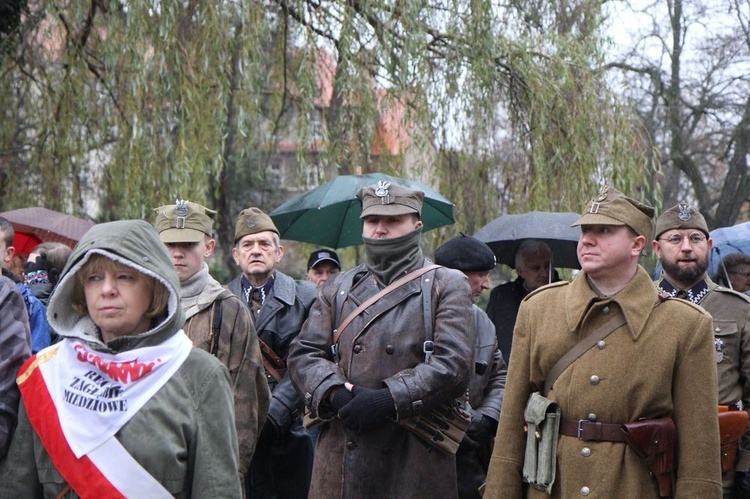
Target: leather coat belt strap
{"x": 586, "y": 430}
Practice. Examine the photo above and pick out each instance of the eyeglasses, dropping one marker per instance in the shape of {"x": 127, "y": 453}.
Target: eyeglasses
{"x": 743, "y": 274}
{"x": 694, "y": 238}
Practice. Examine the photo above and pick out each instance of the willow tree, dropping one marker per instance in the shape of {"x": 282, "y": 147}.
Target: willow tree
{"x": 132, "y": 104}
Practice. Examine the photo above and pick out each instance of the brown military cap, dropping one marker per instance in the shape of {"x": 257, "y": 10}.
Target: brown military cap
{"x": 612, "y": 207}
{"x": 183, "y": 222}
{"x": 680, "y": 216}
{"x": 251, "y": 221}
{"x": 387, "y": 198}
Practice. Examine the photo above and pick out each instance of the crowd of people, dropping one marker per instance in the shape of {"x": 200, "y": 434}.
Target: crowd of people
{"x": 129, "y": 371}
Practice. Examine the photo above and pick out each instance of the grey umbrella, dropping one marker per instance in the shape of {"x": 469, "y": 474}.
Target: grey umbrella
{"x": 506, "y": 233}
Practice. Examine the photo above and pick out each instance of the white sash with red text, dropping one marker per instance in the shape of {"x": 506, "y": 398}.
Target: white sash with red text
{"x": 94, "y": 394}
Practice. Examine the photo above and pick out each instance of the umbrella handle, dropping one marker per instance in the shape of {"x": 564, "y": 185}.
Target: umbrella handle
{"x": 724, "y": 268}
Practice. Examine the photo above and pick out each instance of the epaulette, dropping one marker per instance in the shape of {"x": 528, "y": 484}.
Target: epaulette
{"x": 732, "y": 292}
{"x": 679, "y": 302}
{"x": 546, "y": 287}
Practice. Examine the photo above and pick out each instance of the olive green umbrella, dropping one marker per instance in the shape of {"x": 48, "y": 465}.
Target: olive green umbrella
{"x": 328, "y": 215}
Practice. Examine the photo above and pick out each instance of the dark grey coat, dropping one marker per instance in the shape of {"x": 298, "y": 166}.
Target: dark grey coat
{"x": 383, "y": 347}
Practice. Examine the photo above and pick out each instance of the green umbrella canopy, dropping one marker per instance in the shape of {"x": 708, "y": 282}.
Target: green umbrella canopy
{"x": 328, "y": 215}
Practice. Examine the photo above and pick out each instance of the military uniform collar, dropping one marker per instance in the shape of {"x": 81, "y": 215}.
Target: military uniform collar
{"x": 635, "y": 300}
{"x": 265, "y": 289}
{"x": 694, "y": 294}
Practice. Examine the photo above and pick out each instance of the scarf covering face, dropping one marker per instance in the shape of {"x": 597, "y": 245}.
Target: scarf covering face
{"x": 199, "y": 291}
{"x": 389, "y": 259}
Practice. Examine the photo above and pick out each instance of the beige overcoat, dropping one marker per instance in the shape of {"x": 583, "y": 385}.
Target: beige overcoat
{"x": 661, "y": 363}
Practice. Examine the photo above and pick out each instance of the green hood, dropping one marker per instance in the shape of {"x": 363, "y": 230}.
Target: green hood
{"x": 134, "y": 243}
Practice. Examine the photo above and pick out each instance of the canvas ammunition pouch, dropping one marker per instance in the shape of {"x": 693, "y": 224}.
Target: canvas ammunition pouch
{"x": 732, "y": 425}
{"x": 542, "y": 428}
{"x": 653, "y": 441}
{"x": 543, "y": 416}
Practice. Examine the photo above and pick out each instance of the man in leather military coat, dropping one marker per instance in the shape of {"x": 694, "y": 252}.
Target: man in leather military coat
{"x": 378, "y": 373}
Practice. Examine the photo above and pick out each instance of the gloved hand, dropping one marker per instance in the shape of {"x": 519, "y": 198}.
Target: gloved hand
{"x": 270, "y": 429}
{"x": 339, "y": 398}
{"x": 36, "y": 272}
{"x": 468, "y": 443}
{"x": 742, "y": 483}
{"x": 481, "y": 427}
{"x": 368, "y": 410}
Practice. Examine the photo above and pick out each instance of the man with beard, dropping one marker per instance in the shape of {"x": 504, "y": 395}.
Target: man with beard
{"x": 683, "y": 246}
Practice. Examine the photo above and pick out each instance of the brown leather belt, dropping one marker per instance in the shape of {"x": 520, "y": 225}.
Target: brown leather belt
{"x": 586, "y": 430}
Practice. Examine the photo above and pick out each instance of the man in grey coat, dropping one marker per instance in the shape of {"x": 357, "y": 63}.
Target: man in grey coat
{"x": 279, "y": 306}
{"x": 475, "y": 259}
{"x": 15, "y": 344}
{"x": 379, "y": 373}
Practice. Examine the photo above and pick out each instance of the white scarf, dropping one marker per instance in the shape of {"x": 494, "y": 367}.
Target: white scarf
{"x": 96, "y": 393}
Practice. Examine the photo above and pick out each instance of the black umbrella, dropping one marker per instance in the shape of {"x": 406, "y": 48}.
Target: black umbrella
{"x": 506, "y": 233}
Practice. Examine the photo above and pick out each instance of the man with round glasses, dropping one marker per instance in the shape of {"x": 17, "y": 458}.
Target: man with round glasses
{"x": 683, "y": 247}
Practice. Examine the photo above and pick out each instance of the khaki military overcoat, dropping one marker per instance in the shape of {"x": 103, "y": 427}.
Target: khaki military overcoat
{"x": 661, "y": 363}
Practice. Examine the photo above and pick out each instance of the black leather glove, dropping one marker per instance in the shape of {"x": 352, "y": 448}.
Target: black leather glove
{"x": 481, "y": 427}
{"x": 468, "y": 443}
{"x": 368, "y": 410}
{"x": 742, "y": 483}
{"x": 339, "y": 398}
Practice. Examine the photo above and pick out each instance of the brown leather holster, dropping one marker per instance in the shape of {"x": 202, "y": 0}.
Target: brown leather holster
{"x": 653, "y": 440}
{"x": 275, "y": 365}
{"x": 732, "y": 425}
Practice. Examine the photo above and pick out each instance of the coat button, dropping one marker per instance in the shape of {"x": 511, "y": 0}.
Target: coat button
{"x": 592, "y": 417}
{"x": 605, "y": 310}
{"x": 594, "y": 379}
{"x": 357, "y": 348}
{"x": 389, "y": 349}
{"x": 585, "y": 491}
{"x": 601, "y": 344}
{"x": 351, "y": 445}
{"x": 585, "y": 452}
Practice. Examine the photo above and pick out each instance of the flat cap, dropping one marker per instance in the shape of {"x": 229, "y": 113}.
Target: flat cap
{"x": 251, "y": 221}
{"x": 680, "y": 216}
{"x": 465, "y": 253}
{"x": 387, "y": 198}
{"x": 323, "y": 255}
{"x": 184, "y": 222}
{"x": 612, "y": 207}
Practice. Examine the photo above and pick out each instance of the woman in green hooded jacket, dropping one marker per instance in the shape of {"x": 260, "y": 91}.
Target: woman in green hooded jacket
{"x": 123, "y": 406}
